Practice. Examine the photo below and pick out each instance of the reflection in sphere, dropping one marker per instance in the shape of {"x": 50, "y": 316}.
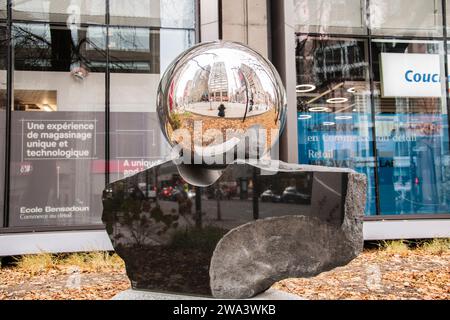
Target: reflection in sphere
{"x": 215, "y": 93}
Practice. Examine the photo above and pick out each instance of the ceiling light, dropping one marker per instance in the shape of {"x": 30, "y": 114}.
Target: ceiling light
{"x": 79, "y": 73}
{"x": 343, "y": 117}
{"x": 47, "y": 108}
{"x": 337, "y": 100}
{"x": 319, "y": 109}
{"x": 351, "y": 90}
{"x": 327, "y": 123}
{"x": 304, "y": 88}
{"x": 304, "y": 117}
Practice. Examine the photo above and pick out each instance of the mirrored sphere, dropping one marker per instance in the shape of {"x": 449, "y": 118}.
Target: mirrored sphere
{"x": 215, "y": 94}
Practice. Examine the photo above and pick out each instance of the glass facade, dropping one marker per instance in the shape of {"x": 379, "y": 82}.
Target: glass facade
{"x": 81, "y": 83}
{"x": 78, "y": 82}
{"x": 372, "y": 95}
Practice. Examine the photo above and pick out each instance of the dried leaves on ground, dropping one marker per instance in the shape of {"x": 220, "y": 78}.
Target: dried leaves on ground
{"x": 94, "y": 275}
{"x": 394, "y": 272}
{"x": 380, "y": 274}
{"x": 61, "y": 285}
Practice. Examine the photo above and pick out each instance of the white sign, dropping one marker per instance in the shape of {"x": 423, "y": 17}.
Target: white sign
{"x": 411, "y": 75}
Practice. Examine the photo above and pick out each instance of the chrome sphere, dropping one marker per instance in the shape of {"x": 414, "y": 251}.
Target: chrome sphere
{"x": 215, "y": 93}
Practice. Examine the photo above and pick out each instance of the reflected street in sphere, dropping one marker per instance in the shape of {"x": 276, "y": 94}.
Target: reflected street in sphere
{"x": 217, "y": 93}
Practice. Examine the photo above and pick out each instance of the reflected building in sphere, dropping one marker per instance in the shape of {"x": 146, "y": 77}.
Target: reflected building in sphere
{"x": 218, "y": 83}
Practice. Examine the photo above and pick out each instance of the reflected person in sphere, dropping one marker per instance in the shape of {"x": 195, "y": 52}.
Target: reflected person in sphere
{"x": 251, "y": 104}
{"x": 221, "y": 109}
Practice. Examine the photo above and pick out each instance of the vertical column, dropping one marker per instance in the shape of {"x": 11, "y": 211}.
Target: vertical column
{"x": 107, "y": 95}
{"x": 9, "y": 105}
{"x": 245, "y": 21}
{"x": 209, "y": 20}
{"x": 283, "y": 57}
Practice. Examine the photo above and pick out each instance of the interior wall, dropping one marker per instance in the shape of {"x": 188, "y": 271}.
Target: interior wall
{"x": 129, "y": 92}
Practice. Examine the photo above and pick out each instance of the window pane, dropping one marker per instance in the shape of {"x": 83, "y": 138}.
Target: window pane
{"x": 153, "y": 13}
{"x": 134, "y": 50}
{"x": 57, "y": 127}
{"x": 330, "y": 16}
{"x": 136, "y": 140}
{"x": 448, "y": 14}
{"x": 406, "y": 17}
{"x": 178, "y": 14}
{"x": 411, "y": 127}
{"x": 42, "y": 47}
{"x": 334, "y": 113}
{"x": 65, "y": 11}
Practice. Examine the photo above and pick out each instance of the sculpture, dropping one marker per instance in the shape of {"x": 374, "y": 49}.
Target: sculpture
{"x": 228, "y": 219}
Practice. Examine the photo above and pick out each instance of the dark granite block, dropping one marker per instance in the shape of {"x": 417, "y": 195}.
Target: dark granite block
{"x": 168, "y": 231}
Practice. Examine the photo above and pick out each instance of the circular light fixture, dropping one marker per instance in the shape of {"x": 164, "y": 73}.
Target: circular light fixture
{"x": 337, "y": 100}
{"x": 328, "y": 123}
{"x": 354, "y": 110}
{"x": 47, "y": 108}
{"x": 319, "y": 109}
{"x": 79, "y": 73}
{"x": 343, "y": 117}
{"x": 304, "y": 117}
{"x": 351, "y": 90}
{"x": 304, "y": 88}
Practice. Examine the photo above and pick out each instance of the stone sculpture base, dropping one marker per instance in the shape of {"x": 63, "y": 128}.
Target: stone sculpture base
{"x": 256, "y": 224}
{"x": 132, "y": 294}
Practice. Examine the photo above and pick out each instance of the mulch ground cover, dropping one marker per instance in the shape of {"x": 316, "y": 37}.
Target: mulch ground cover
{"x": 380, "y": 275}
{"x": 375, "y": 274}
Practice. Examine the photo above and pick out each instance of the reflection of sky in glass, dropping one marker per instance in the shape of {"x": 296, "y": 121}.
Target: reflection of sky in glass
{"x": 96, "y": 37}
{"x": 91, "y": 7}
{"x": 130, "y": 39}
{"x": 120, "y": 38}
{"x": 177, "y": 13}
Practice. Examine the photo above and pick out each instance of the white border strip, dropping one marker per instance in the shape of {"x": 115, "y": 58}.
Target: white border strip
{"x": 97, "y": 240}
{"x": 406, "y": 229}
{"x": 54, "y": 242}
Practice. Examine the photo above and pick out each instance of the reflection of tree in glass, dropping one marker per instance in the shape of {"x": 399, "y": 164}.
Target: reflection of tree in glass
{"x": 177, "y": 13}
{"x": 148, "y": 227}
{"x": 53, "y": 48}
{"x": 131, "y": 49}
{"x": 57, "y": 48}
{"x": 140, "y": 222}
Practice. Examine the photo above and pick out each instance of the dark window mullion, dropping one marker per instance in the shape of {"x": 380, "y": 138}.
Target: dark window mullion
{"x": 373, "y": 114}
{"x": 107, "y": 97}
{"x": 9, "y": 105}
